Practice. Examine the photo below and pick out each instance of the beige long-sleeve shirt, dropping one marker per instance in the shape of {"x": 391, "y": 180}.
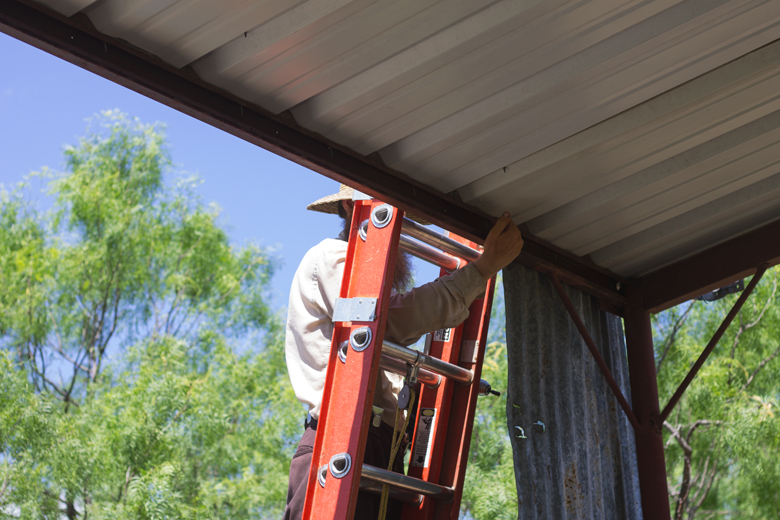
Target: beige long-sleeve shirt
{"x": 443, "y": 303}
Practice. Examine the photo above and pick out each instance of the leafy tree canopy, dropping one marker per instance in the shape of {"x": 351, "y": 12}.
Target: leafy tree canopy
{"x": 723, "y": 438}
{"x": 142, "y": 371}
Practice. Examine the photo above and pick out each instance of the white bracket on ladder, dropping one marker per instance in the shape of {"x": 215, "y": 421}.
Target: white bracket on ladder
{"x": 354, "y": 309}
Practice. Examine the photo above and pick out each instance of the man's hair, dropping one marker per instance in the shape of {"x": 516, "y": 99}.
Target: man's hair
{"x": 342, "y": 212}
{"x": 346, "y": 223}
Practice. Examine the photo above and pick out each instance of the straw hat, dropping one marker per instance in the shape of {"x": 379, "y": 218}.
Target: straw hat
{"x": 330, "y": 204}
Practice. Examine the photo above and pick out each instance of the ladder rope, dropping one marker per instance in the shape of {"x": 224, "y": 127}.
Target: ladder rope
{"x": 395, "y": 445}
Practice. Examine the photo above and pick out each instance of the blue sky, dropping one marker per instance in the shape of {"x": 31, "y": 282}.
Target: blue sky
{"x": 44, "y": 105}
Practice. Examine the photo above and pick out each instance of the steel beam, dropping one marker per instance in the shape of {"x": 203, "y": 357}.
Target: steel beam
{"x": 712, "y": 269}
{"x": 80, "y": 44}
{"x": 651, "y": 463}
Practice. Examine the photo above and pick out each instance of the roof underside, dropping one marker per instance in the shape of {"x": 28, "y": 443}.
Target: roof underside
{"x": 635, "y": 133}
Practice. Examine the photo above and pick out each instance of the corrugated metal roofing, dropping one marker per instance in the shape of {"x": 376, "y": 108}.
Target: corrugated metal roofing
{"x": 636, "y": 132}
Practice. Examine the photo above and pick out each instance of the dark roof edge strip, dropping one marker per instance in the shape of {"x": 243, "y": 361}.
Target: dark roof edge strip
{"x": 82, "y": 45}
{"x": 712, "y": 269}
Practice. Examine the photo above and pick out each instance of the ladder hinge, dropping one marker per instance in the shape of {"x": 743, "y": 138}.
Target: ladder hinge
{"x": 355, "y": 309}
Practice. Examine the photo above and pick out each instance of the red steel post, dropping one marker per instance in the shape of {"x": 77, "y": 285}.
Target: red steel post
{"x": 644, "y": 396}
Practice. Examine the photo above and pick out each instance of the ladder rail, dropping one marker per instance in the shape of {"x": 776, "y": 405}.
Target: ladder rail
{"x": 339, "y": 446}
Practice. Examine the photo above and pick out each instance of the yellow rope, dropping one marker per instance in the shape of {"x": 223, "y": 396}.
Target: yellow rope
{"x": 395, "y": 445}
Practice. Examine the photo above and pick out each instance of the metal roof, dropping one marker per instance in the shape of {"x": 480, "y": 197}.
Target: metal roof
{"x": 634, "y": 133}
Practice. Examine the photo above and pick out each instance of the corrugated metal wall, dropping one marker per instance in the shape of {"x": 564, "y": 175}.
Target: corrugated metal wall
{"x": 582, "y": 464}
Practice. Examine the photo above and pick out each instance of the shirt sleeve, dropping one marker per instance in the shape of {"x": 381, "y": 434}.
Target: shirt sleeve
{"x": 440, "y": 304}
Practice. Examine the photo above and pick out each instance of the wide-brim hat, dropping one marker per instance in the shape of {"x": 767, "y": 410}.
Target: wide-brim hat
{"x": 330, "y": 204}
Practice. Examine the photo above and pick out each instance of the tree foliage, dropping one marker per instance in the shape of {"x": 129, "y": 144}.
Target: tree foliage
{"x": 489, "y": 492}
{"x": 142, "y": 372}
{"x": 723, "y": 438}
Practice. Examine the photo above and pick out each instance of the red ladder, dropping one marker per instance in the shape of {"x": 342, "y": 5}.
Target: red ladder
{"x": 449, "y": 373}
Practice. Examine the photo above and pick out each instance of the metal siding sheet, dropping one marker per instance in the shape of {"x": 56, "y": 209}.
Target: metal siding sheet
{"x": 583, "y": 465}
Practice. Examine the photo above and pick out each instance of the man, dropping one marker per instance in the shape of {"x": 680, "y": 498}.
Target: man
{"x": 440, "y": 304}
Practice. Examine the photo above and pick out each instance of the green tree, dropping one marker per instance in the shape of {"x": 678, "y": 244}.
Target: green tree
{"x": 723, "y": 438}
{"x": 142, "y": 372}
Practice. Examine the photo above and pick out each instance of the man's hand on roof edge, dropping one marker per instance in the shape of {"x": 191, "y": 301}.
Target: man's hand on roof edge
{"x": 502, "y": 245}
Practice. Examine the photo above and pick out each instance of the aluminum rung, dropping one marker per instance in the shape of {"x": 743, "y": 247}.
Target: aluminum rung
{"x": 446, "y": 244}
{"x": 437, "y": 366}
{"x": 430, "y": 254}
{"x": 397, "y": 366}
{"x": 375, "y": 488}
{"x": 403, "y": 482}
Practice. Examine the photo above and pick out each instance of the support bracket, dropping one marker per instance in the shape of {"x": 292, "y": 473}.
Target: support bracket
{"x": 354, "y": 309}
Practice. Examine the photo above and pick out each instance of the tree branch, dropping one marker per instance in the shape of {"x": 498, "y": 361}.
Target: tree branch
{"x": 676, "y": 435}
{"x": 761, "y": 365}
{"x": 742, "y": 328}
{"x": 6, "y": 481}
{"x": 673, "y": 335}
{"x": 67, "y": 358}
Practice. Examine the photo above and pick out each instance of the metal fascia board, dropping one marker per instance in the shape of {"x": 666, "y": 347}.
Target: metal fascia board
{"x": 712, "y": 269}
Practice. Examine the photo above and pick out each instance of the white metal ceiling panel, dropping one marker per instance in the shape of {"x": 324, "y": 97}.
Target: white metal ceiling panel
{"x": 617, "y": 188}
{"x": 181, "y": 31}
{"x": 633, "y": 131}
{"x": 66, "y": 7}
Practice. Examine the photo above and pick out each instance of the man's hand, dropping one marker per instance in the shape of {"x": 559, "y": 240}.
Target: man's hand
{"x": 502, "y": 245}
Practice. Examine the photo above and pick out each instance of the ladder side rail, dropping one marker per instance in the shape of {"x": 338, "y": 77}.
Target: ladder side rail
{"x": 438, "y": 400}
{"x": 464, "y": 404}
{"x": 349, "y": 386}
{"x": 432, "y": 419}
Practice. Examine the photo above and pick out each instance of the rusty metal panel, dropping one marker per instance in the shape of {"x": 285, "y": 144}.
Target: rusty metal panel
{"x": 582, "y": 463}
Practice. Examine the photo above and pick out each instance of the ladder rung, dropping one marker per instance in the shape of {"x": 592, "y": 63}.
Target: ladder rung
{"x": 446, "y": 244}
{"x": 401, "y": 495}
{"x": 437, "y": 366}
{"x": 429, "y": 254}
{"x": 397, "y": 366}
{"x": 398, "y": 481}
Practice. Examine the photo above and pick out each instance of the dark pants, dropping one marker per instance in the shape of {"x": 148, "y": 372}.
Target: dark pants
{"x": 377, "y": 454}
